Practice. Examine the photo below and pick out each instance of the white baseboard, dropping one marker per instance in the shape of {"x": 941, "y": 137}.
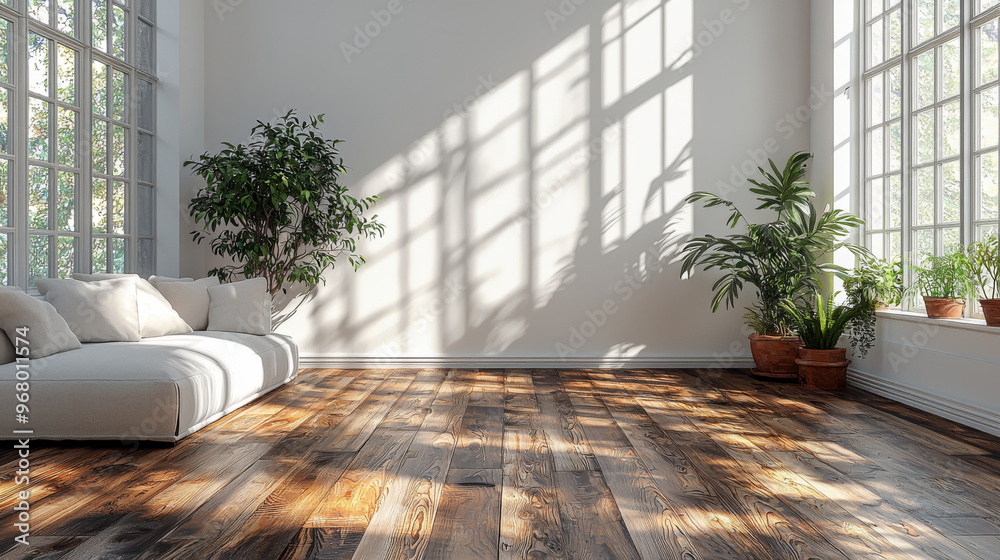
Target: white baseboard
{"x": 963, "y": 413}
{"x": 515, "y": 362}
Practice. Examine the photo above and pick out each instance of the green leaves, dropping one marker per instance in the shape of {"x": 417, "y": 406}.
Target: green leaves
{"x": 276, "y": 208}
{"x": 821, "y": 324}
{"x": 782, "y": 258}
{"x": 949, "y": 277}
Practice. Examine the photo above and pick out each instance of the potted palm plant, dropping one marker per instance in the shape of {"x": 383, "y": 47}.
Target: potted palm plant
{"x": 782, "y": 258}
{"x": 873, "y": 285}
{"x": 945, "y": 283}
{"x": 821, "y": 325}
{"x": 984, "y": 260}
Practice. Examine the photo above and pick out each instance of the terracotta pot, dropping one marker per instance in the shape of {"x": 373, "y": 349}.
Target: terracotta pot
{"x": 939, "y": 308}
{"x": 775, "y": 356}
{"x": 823, "y": 369}
{"x": 991, "y": 308}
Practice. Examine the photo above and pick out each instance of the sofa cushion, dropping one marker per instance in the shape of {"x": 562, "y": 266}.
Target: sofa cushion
{"x": 158, "y": 389}
{"x": 7, "y": 352}
{"x": 103, "y": 311}
{"x": 48, "y": 332}
{"x": 156, "y": 316}
{"x": 243, "y": 307}
{"x": 189, "y": 299}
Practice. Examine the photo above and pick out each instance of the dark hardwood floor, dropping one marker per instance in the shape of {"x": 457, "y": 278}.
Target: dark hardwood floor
{"x": 468, "y": 465}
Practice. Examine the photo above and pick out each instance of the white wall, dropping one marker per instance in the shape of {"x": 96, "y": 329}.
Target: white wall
{"x": 513, "y": 223}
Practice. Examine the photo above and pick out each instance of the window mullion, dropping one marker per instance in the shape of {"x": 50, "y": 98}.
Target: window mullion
{"x": 19, "y": 146}
{"x": 907, "y": 132}
{"x": 85, "y": 139}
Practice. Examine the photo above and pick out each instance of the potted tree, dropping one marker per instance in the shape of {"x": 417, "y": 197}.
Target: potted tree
{"x": 782, "y": 258}
{"x": 945, "y": 283}
{"x": 873, "y": 285}
{"x": 984, "y": 259}
{"x": 821, "y": 325}
{"x": 276, "y": 209}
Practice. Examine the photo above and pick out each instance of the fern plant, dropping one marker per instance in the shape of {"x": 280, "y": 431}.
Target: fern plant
{"x": 984, "y": 262}
{"x": 947, "y": 277}
{"x": 783, "y": 258}
{"x": 822, "y": 324}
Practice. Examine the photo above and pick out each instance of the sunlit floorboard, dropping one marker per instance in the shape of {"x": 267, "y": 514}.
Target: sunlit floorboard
{"x": 573, "y": 464}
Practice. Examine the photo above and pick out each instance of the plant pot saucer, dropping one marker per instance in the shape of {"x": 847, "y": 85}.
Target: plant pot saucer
{"x": 774, "y": 377}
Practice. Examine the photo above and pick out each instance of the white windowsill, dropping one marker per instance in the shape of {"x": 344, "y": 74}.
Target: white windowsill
{"x": 978, "y": 325}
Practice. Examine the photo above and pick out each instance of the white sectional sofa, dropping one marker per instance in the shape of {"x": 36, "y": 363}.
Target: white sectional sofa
{"x": 159, "y": 389}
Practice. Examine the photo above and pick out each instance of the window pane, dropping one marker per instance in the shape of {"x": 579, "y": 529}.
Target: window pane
{"x": 951, "y": 122}
{"x": 99, "y": 196}
{"x": 951, "y": 14}
{"x": 875, "y": 53}
{"x": 38, "y": 64}
{"x": 99, "y": 27}
{"x": 895, "y": 93}
{"x": 895, "y": 146}
{"x": 925, "y": 196}
{"x": 952, "y": 192}
{"x": 4, "y": 189}
{"x": 100, "y": 89}
{"x": 878, "y": 245}
{"x": 144, "y": 198}
{"x": 877, "y": 202}
{"x": 67, "y": 137}
{"x": 100, "y": 256}
{"x": 895, "y": 201}
{"x": 66, "y": 16}
{"x": 4, "y": 258}
{"x": 987, "y": 41}
{"x": 895, "y": 33}
{"x": 118, "y": 33}
{"x": 147, "y": 9}
{"x": 925, "y": 79}
{"x": 66, "y": 209}
{"x": 925, "y": 136}
{"x": 951, "y": 59}
{"x": 118, "y": 155}
{"x": 119, "y": 96}
{"x": 66, "y": 256}
{"x": 38, "y": 197}
{"x": 877, "y": 103}
{"x": 67, "y": 74}
{"x": 118, "y": 209}
{"x": 145, "y": 156}
{"x": 39, "y": 9}
{"x": 925, "y": 20}
{"x": 146, "y": 258}
{"x": 6, "y": 28}
{"x": 144, "y": 48}
{"x": 4, "y": 120}
{"x": 38, "y": 258}
{"x": 924, "y": 244}
{"x": 875, "y": 8}
{"x": 951, "y": 240}
{"x": 895, "y": 245}
{"x": 118, "y": 256}
{"x": 988, "y": 201}
{"x": 875, "y": 151}
{"x": 100, "y": 146}
{"x": 146, "y": 106}
{"x": 989, "y": 119}
{"x": 38, "y": 129}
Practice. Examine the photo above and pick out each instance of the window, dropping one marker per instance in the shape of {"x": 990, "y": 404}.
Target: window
{"x": 77, "y": 137}
{"x": 931, "y": 124}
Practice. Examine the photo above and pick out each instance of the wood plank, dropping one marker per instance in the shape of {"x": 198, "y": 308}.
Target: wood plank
{"x": 468, "y": 520}
{"x": 402, "y": 525}
{"x": 529, "y": 517}
{"x": 565, "y": 437}
{"x": 592, "y": 525}
{"x": 357, "y": 426}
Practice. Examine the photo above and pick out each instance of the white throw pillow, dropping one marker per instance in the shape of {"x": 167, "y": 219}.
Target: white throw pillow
{"x": 48, "y": 333}
{"x": 243, "y": 307}
{"x": 156, "y": 316}
{"x": 103, "y": 311}
{"x": 157, "y": 280}
{"x": 189, "y": 300}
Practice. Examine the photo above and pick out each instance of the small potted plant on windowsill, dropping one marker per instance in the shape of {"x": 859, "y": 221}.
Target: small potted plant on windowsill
{"x": 820, "y": 326}
{"x": 874, "y": 284}
{"x": 984, "y": 262}
{"x": 946, "y": 283}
